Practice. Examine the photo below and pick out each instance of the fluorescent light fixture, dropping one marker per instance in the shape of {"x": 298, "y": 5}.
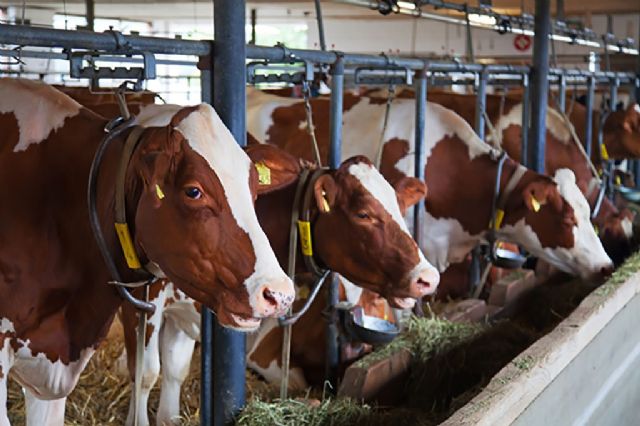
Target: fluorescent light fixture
{"x": 482, "y": 19}
{"x": 516, "y": 30}
{"x": 627, "y": 50}
{"x": 406, "y": 5}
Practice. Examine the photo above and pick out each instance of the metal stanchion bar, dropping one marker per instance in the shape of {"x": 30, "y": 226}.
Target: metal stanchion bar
{"x": 229, "y": 82}
{"x": 335, "y": 151}
{"x": 562, "y": 92}
{"x": 526, "y": 115}
{"x": 540, "y": 85}
{"x": 481, "y": 103}
{"x": 421, "y": 107}
{"x": 591, "y": 89}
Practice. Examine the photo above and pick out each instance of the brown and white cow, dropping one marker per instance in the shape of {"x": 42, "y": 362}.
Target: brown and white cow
{"x": 460, "y": 171}
{"x": 190, "y": 192}
{"x": 357, "y": 230}
{"x": 615, "y": 226}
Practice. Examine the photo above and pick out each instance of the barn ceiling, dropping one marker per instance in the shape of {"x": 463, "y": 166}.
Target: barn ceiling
{"x": 572, "y": 7}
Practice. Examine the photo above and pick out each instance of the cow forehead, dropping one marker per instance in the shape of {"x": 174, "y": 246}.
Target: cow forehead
{"x": 570, "y": 192}
{"x": 39, "y": 109}
{"x": 207, "y": 135}
{"x": 371, "y": 179}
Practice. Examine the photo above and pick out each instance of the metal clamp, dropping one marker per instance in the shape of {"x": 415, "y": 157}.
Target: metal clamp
{"x": 254, "y": 77}
{"x": 392, "y": 75}
{"x": 77, "y": 68}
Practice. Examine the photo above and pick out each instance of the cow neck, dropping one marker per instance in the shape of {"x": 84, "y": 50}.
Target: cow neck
{"x": 305, "y": 213}
{"x": 119, "y": 215}
{"x": 502, "y": 194}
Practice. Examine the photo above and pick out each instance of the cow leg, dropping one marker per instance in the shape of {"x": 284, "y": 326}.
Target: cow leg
{"x": 6, "y": 362}
{"x": 151, "y": 365}
{"x": 42, "y": 412}
{"x": 176, "y": 348}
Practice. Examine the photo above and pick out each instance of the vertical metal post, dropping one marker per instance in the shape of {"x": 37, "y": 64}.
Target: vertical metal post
{"x": 588, "y": 134}
{"x": 562, "y": 93}
{"x": 539, "y": 85}
{"x": 526, "y": 119}
{"x": 207, "y": 318}
{"x": 323, "y": 43}
{"x": 560, "y": 10}
{"x": 481, "y": 103}
{"x": 254, "y": 22}
{"x": 91, "y": 14}
{"x": 335, "y": 151}
{"x": 229, "y": 81}
{"x": 469, "y": 43}
{"x": 613, "y": 93}
{"x": 421, "y": 107}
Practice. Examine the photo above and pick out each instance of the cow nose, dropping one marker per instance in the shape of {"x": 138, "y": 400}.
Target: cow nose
{"x": 425, "y": 283}
{"x": 274, "y": 299}
{"x": 605, "y": 271}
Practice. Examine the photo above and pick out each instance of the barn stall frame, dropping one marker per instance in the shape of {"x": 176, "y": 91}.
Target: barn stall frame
{"x": 222, "y": 393}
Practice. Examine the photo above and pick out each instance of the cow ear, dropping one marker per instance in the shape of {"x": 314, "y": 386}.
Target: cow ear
{"x": 541, "y": 192}
{"x": 325, "y": 191}
{"x": 632, "y": 119}
{"x": 275, "y": 168}
{"x": 409, "y": 191}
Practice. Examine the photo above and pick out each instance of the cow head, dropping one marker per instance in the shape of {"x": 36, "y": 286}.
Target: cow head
{"x": 359, "y": 230}
{"x": 616, "y": 231}
{"x": 370, "y": 243}
{"x": 195, "y": 218}
{"x": 626, "y": 125}
{"x": 556, "y": 225}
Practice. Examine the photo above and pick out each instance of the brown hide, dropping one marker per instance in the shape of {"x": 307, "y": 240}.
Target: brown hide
{"x": 52, "y": 276}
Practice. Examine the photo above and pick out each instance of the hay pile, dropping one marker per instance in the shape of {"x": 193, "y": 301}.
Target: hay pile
{"x": 102, "y": 395}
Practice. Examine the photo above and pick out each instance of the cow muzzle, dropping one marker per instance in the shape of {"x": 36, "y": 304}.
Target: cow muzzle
{"x": 424, "y": 281}
{"x": 274, "y": 298}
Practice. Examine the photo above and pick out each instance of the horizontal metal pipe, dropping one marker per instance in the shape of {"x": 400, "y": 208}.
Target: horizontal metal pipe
{"x": 26, "y": 35}
{"x": 37, "y": 54}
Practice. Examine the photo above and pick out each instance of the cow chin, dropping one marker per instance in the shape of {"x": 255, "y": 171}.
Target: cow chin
{"x": 237, "y": 322}
{"x": 402, "y": 302}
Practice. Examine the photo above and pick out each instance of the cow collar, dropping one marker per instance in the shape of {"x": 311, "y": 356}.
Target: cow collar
{"x": 122, "y": 228}
{"x": 500, "y": 197}
{"x": 303, "y": 216}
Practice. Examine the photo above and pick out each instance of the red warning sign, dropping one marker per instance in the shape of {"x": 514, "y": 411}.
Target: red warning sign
{"x": 522, "y": 42}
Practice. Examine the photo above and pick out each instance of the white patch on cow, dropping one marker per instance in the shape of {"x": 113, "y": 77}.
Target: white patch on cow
{"x": 555, "y": 123}
{"x": 352, "y": 292}
{"x": 46, "y": 379}
{"x": 627, "y": 227}
{"x": 39, "y": 109}
{"x": 6, "y": 326}
{"x": 447, "y": 241}
{"x": 587, "y": 256}
{"x": 156, "y": 115}
{"x": 260, "y": 108}
{"x": 636, "y": 107}
{"x": 208, "y": 136}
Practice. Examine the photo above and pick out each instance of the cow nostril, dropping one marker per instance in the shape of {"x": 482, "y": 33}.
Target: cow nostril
{"x": 270, "y": 297}
{"x": 606, "y": 271}
{"x": 423, "y": 283}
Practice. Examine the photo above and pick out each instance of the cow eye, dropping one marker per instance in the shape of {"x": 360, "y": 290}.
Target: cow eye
{"x": 362, "y": 215}
{"x": 193, "y": 192}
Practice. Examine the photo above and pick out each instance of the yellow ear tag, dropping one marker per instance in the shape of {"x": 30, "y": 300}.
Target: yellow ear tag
{"x": 618, "y": 181}
{"x": 303, "y": 292}
{"x": 499, "y": 218}
{"x": 159, "y": 192}
{"x": 535, "y": 204}
{"x": 325, "y": 203}
{"x": 595, "y": 228}
{"x": 604, "y": 153}
{"x": 127, "y": 246}
{"x": 304, "y": 228}
{"x": 264, "y": 174}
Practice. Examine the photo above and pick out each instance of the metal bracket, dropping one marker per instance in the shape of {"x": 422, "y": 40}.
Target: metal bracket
{"x": 389, "y": 75}
{"x": 255, "y": 77}
{"x": 78, "y": 69}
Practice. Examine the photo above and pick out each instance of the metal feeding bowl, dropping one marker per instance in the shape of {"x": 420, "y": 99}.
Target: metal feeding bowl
{"x": 507, "y": 259}
{"x": 365, "y": 328}
{"x": 630, "y": 194}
